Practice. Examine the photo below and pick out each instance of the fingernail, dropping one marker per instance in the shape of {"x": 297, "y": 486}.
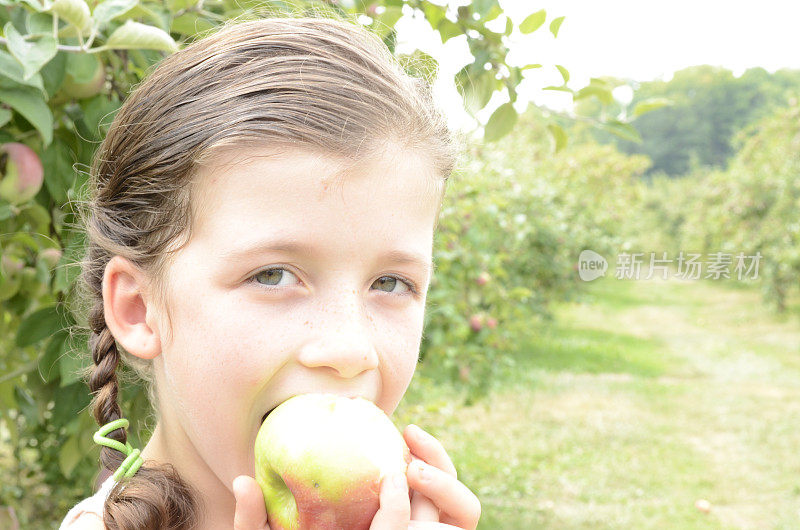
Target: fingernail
{"x": 236, "y": 486}
{"x": 399, "y": 481}
{"x": 416, "y": 428}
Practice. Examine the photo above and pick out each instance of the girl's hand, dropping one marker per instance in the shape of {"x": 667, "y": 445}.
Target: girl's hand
{"x": 251, "y": 513}
{"x": 439, "y": 500}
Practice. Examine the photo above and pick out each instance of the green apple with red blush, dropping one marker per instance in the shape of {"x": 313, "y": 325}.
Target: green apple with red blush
{"x": 320, "y": 459}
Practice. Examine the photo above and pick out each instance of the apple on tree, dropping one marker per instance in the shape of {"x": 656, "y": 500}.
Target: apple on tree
{"x": 23, "y": 173}
{"x": 320, "y": 459}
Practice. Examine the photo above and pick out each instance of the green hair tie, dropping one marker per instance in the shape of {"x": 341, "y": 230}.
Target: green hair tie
{"x": 133, "y": 461}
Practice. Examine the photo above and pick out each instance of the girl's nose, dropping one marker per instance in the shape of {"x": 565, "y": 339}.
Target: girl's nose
{"x": 347, "y": 355}
{"x": 344, "y": 346}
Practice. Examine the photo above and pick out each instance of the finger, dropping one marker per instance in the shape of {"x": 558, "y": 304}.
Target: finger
{"x": 456, "y": 503}
{"x": 422, "y": 508}
{"x": 394, "y": 512}
{"x": 251, "y": 512}
{"x": 428, "y": 448}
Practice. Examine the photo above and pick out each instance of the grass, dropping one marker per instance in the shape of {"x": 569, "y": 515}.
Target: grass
{"x": 642, "y": 398}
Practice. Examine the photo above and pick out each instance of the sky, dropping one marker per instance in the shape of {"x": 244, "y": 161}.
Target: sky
{"x": 637, "y": 39}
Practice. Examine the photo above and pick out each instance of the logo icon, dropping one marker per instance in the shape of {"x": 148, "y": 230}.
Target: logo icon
{"x": 591, "y": 265}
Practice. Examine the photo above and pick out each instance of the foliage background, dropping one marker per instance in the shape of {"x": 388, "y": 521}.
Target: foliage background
{"x": 538, "y": 188}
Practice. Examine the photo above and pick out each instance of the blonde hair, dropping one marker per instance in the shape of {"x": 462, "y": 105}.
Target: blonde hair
{"x": 321, "y": 83}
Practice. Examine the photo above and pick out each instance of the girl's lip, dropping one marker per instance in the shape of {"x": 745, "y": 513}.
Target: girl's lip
{"x": 264, "y": 417}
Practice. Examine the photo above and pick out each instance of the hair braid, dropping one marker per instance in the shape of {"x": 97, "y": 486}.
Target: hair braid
{"x": 103, "y": 383}
{"x": 155, "y": 497}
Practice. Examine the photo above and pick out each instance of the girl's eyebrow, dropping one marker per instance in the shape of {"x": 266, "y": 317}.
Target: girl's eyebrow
{"x": 296, "y": 247}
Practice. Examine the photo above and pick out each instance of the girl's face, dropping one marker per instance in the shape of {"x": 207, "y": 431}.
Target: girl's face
{"x": 297, "y": 279}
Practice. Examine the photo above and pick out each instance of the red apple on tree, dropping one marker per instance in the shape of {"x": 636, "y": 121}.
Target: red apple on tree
{"x": 483, "y": 278}
{"x": 476, "y": 322}
{"x": 23, "y": 173}
{"x": 320, "y": 459}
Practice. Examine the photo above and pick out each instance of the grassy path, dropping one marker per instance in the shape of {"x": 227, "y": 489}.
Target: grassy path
{"x": 644, "y": 398}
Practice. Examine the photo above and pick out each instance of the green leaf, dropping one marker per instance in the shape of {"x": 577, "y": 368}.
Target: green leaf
{"x": 53, "y": 73}
{"x": 70, "y": 400}
{"x": 10, "y": 68}
{"x": 69, "y": 267}
{"x": 555, "y": 25}
{"x": 39, "y": 325}
{"x": 625, "y": 131}
{"x": 58, "y": 172}
{"x": 176, "y": 5}
{"x": 559, "y": 136}
{"x": 76, "y": 12}
{"x": 98, "y": 113}
{"x": 190, "y": 24}
{"x": 602, "y": 93}
{"x": 69, "y": 456}
{"x": 47, "y": 363}
{"x": 476, "y": 87}
{"x": 533, "y": 65}
{"x": 533, "y": 21}
{"x": 39, "y": 218}
{"x": 419, "y": 64}
{"x": 500, "y": 123}
{"x": 509, "y": 27}
{"x": 71, "y": 367}
{"x": 433, "y": 13}
{"x": 651, "y": 104}
{"x": 108, "y": 10}
{"x": 40, "y": 23}
{"x": 558, "y": 88}
{"x": 33, "y": 108}
{"x": 5, "y": 213}
{"x": 493, "y": 13}
{"x": 31, "y": 55}
{"x": 35, "y": 4}
{"x": 81, "y": 67}
{"x": 564, "y": 73}
{"x": 137, "y": 36}
{"x": 487, "y": 10}
{"x": 448, "y": 29}
{"x": 387, "y": 20}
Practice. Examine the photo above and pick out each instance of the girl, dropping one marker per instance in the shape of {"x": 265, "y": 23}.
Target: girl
{"x": 260, "y": 226}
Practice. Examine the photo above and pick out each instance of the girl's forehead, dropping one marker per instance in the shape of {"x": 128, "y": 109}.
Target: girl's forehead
{"x": 249, "y": 186}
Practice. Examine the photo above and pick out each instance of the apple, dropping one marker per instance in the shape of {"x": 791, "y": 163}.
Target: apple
{"x": 50, "y": 257}
{"x": 483, "y": 278}
{"x": 703, "y": 505}
{"x": 476, "y": 322}
{"x": 11, "y": 268}
{"x": 320, "y": 459}
{"x": 23, "y": 173}
{"x": 73, "y": 88}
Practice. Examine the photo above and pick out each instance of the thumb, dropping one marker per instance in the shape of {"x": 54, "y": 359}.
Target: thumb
{"x": 251, "y": 512}
{"x": 395, "y": 507}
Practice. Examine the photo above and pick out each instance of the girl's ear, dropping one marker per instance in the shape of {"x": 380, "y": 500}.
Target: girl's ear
{"x": 128, "y": 314}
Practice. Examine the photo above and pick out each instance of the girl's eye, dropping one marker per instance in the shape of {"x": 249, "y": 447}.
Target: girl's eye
{"x": 391, "y": 282}
{"x": 274, "y": 277}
